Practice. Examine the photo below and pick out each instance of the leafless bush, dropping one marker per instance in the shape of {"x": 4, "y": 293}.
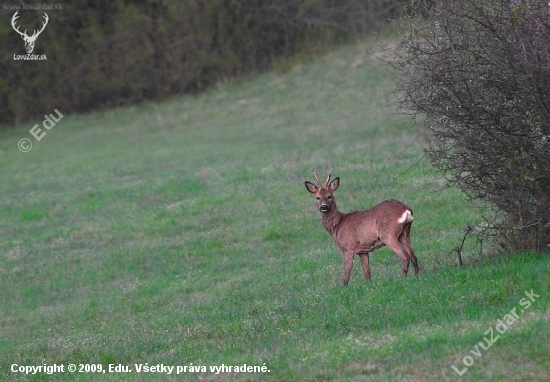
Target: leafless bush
{"x": 479, "y": 75}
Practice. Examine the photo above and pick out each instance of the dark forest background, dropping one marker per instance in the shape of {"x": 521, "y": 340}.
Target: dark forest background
{"x": 108, "y": 53}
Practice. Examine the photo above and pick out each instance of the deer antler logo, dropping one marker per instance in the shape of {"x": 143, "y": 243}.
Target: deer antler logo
{"x": 29, "y": 40}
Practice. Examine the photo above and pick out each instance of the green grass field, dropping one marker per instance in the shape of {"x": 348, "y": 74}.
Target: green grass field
{"x": 181, "y": 233}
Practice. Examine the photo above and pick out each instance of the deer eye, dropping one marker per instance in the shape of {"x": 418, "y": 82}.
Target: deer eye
{"x": 318, "y": 198}
{"x": 329, "y": 197}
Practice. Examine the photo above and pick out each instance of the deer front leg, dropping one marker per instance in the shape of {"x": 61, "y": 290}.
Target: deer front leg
{"x": 348, "y": 264}
{"x": 365, "y": 263}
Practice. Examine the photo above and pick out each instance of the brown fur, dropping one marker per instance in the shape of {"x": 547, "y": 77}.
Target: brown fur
{"x": 362, "y": 232}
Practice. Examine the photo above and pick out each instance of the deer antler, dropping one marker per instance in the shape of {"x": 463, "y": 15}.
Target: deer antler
{"x": 43, "y": 26}
{"x": 329, "y": 173}
{"x": 328, "y": 177}
{"x": 15, "y": 17}
{"x": 317, "y": 179}
{"x": 24, "y": 34}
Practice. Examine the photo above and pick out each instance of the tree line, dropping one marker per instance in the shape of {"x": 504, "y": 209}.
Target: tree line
{"x": 109, "y": 53}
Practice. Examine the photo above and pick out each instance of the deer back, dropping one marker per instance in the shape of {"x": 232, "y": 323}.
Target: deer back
{"x": 365, "y": 230}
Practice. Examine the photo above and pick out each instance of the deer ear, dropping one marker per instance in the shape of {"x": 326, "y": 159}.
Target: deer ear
{"x": 334, "y": 184}
{"x": 311, "y": 187}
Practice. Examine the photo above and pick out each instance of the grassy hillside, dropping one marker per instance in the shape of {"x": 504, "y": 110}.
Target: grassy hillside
{"x": 182, "y": 234}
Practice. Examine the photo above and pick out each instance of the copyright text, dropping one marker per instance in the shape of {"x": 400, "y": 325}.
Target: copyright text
{"x": 136, "y": 368}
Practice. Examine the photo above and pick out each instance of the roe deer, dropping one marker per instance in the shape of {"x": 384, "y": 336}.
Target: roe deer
{"x": 388, "y": 223}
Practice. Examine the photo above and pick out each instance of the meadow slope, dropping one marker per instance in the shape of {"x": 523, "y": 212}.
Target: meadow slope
{"x": 181, "y": 233}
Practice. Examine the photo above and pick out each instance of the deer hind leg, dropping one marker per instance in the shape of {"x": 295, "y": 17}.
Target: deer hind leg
{"x": 348, "y": 264}
{"x": 396, "y": 247}
{"x": 365, "y": 264}
{"x": 405, "y": 240}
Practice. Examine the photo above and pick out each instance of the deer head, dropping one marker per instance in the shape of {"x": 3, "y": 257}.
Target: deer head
{"x": 29, "y": 40}
{"x": 325, "y": 200}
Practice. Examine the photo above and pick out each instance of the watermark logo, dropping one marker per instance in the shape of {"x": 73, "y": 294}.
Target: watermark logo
{"x": 25, "y": 144}
{"x": 29, "y": 40}
{"x": 503, "y": 324}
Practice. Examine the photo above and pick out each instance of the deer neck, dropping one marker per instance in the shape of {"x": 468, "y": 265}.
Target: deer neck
{"x": 331, "y": 219}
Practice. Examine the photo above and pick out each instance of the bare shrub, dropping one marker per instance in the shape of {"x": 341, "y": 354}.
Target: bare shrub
{"x": 479, "y": 75}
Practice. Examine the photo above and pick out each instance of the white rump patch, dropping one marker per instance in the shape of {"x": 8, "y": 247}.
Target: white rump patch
{"x": 406, "y": 217}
